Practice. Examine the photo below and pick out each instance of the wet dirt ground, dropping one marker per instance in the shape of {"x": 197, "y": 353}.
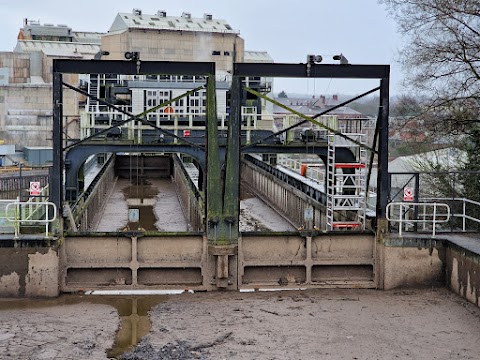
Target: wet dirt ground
{"x": 311, "y": 324}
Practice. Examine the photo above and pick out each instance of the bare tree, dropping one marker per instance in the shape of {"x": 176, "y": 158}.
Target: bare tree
{"x": 442, "y": 57}
{"x": 442, "y": 60}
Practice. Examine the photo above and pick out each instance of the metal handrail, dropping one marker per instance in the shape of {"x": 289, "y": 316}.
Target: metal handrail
{"x": 295, "y": 165}
{"x": 17, "y": 219}
{"x": 175, "y": 123}
{"x": 4, "y": 216}
{"x": 404, "y": 208}
{"x": 463, "y": 215}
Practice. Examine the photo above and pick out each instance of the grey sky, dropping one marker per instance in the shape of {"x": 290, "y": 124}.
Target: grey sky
{"x": 287, "y": 30}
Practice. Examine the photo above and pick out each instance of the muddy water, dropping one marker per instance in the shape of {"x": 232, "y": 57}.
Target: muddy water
{"x": 132, "y": 310}
{"x": 142, "y": 196}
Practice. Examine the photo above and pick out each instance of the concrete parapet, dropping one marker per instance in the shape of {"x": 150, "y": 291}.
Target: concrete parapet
{"x": 29, "y": 270}
{"x": 417, "y": 260}
{"x": 463, "y": 273}
{"x": 282, "y": 197}
{"x": 412, "y": 263}
{"x": 135, "y": 260}
{"x": 86, "y": 215}
{"x": 190, "y": 199}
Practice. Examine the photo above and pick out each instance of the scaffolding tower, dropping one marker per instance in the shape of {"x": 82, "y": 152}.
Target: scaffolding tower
{"x": 346, "y": 183}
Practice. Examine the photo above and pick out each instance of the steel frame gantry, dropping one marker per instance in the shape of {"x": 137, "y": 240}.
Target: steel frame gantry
{"x": 337, "y": 71}
{"x": 223, "y": 174}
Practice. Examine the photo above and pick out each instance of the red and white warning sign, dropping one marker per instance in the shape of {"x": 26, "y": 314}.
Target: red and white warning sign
{"x": 407, "y": 194}
{"x": 34, "y": 188}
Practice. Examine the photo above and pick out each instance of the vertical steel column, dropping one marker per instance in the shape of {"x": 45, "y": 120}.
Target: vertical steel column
{"x": 222, "y": 193}
{"x": 56, "y": 181}
{"x": 383, "y": 180}
{"x": 232, "y": 171}
{"x": 213, "y": 177}
{"x": 417, "y": 200}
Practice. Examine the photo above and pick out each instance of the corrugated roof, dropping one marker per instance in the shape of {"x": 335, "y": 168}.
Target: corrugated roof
{"x": 56, "y": 48}
{"x": 155, "y": 22}
{"x": 87, "y": 37}
{"x": 257, "y": 56}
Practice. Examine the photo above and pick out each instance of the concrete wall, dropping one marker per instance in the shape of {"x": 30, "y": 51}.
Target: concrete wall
{"x": 86, "y": 214}
{"x": 183, "y": 261}
{"x": 130, "y": 262}
{"x": 412, "y": 263}
{"x": 26, "y": 114}
{"x": 26, "y": 105}
{"x": 463, "y": 273}
{"x": 187, "y": 261}
{"x": 175, "y": 46}
{"x": 293, "y": 260}
{"x": 143, "y": 166}
{"x": 29, "y": 270}
{"x": 419, "y": 261}
{"x": 192, "y": 203}
{"x": 17, "y": 67}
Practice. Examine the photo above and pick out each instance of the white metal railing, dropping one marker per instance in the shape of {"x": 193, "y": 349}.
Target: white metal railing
{"x": 15, "y": 213}
{"x": 464, "y": 202}
{"x": 409, "y": 213}
{"x": 175, "y": 123}
{"x": 7, "y": 226}
{"x": 312, "y": 173}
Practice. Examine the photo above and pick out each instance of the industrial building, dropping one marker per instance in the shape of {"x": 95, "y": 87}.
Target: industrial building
{"x": 26, "y": 78}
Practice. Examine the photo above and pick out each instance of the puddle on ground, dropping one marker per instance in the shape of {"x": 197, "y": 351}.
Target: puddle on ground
{"x": 142, "y": 196}
{"x": 132, "y": 310}
{"x": 135, "y": 323}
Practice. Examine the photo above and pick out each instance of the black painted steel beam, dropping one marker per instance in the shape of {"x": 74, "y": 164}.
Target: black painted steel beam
{"x": 383, "y": 180}
{"x": 56, "y": 183}
{"x": 312, "y": 70}
{"x": 126, "y": 67}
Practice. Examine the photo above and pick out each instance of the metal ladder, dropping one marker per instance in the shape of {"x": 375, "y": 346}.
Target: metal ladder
{"x": 92, "y": 104}
{"x": 346, "y": 193}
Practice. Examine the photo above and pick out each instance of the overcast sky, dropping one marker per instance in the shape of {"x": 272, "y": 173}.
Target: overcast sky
{"x": 287, "y": 30}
